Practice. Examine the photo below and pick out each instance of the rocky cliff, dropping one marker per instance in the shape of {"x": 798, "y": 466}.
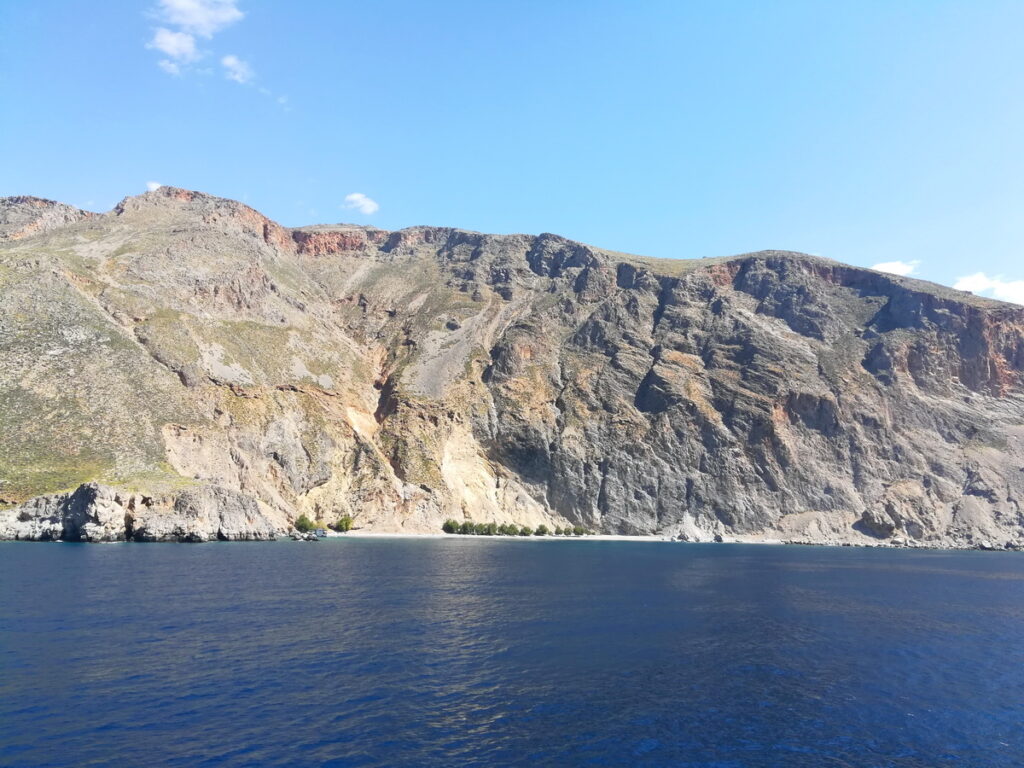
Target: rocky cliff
{"x": 184, "y": 368}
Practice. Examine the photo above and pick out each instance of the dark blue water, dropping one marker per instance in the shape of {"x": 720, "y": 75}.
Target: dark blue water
{"x": 491, "y": 653}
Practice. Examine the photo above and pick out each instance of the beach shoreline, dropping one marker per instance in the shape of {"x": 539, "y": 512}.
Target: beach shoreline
{"x": 410, "y": 535}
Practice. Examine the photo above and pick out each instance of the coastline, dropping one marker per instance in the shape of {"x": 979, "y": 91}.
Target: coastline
{"x": 606, "y": 538}
{"x": 647, "y": 539}
{"x": 94, "y": 513}
{"x": 590, "y": 537}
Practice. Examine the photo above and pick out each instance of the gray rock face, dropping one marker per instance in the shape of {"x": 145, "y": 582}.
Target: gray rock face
{"x": 26, "y": 216}
{"x": 241, "y": 374}
{"x": 206, "y": 514}
{"x": 91, "y": 513}
{"x": 97, "y": 512}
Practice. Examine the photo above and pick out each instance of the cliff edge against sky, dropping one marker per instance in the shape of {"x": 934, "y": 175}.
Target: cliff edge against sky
{"x": 184, "y": 368}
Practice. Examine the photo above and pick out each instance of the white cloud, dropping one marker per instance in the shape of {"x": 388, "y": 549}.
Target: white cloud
{"x": 179, "y": 46}
{"x": 976, "y": 283}
{"x": 902, "y": 268}
{"x": 153, "y": 186}
{"x": 200, "y": 17}
{"x": 184, "y": 20}
{"x": 360, "y": 202}
{"x": 979, "y": 282}
{"x": 236, "y": 69}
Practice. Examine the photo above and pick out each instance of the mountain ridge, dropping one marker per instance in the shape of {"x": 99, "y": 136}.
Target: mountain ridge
{"x": 668, "y": 267}
{"x": 407, "y": 376}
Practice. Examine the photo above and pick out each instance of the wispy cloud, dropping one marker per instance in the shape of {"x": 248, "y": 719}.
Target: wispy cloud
{"x": 236, "y": 69}
{"x": 184, "y": 20}
{"x": 998, "y": 287}
{"x": 902, "y": 268}
{"x": 184, "y": 23}
{"x": 179, "y": 47}
{"x": 153, "y": 186}
{"x": 357, "y": 201}
{"x": 201, "y": 17}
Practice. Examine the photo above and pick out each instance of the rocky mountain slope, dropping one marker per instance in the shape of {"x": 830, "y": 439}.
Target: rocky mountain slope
{"x": 184, "y": 368}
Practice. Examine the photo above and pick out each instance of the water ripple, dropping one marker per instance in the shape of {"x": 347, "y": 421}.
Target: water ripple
{"x": 467, "y": 652}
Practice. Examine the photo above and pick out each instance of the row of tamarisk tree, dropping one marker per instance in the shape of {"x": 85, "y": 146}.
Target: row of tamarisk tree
{"x": 469, "y": 528}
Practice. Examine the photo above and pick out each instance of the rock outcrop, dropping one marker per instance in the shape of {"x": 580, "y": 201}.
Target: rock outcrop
{"x": 95, "y": 512}
{"x": 183, "y": 368}
{"x": 26, "y": 216}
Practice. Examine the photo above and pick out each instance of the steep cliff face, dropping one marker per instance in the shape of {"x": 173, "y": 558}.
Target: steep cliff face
{"x": 197, "y": 371}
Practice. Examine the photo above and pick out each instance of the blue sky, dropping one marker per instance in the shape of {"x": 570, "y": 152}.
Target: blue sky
{"x": 869, "y": 132}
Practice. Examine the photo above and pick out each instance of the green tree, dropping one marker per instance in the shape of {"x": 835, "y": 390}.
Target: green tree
{"x": 542, "y": 530}
{"x": 304, "y": 524}
{"x": 526, "y": 531}
{"x": 343, "y": 524}
{"x": 450, "y": 526}
{"x": 466, "y": 528}
{"x": 492, "y": 529}
{"x": 578, "y": 530}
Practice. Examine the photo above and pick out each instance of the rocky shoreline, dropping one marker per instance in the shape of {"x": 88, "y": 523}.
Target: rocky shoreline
{"x": 100, "y": 513}
{"x": 96, "y": 513}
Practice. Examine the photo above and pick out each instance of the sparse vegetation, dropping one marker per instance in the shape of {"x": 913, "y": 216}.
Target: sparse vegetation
{"x": 343, "y": 524}
{"x": 469, "y": 527}
{"x": 304, "y": 524}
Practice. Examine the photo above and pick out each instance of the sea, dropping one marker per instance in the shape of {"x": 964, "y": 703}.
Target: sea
{"x": 360, "y": 651}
